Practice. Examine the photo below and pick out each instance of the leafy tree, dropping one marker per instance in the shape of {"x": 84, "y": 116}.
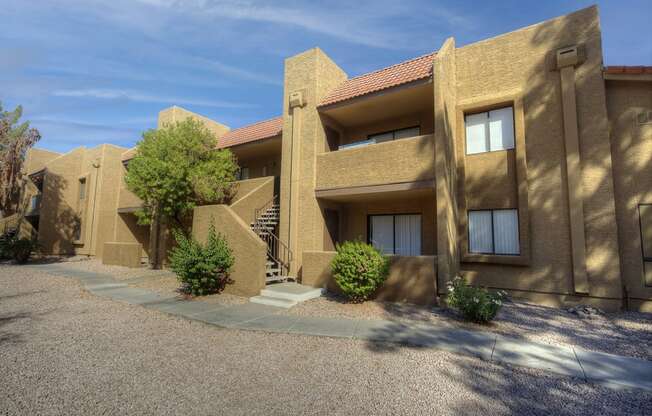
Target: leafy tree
{"x": 177, "y": 168}
{"x": 15, "y": 140}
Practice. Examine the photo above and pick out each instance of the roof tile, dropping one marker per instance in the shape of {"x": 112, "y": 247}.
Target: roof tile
{"x": 392, "y": 76}
{"x": 257, "y": 131}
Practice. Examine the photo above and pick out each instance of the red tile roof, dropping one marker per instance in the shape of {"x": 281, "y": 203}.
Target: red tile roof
{"x": 257, "y": 131}
{"x": 392, "y": 76}
{"x": 629, "y": 70}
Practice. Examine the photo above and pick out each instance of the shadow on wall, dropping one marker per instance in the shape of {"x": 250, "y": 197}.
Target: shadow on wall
{"x": 60, "y": 223}
{"x": 551, "y": 266}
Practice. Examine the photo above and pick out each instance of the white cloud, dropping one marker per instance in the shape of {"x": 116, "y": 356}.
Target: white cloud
{"x": 112, "y": 94}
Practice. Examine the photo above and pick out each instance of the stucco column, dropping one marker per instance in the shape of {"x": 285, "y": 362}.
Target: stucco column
{"x": 445, "y": 101}
{"x": 309, "y": 76}
{"x": 567, "y": 59}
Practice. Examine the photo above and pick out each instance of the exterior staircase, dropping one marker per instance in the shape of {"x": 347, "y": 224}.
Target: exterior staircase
{"x": 279, "y": 255}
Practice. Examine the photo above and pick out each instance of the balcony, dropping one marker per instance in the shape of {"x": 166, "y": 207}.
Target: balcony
{"x": 397, "y": 165}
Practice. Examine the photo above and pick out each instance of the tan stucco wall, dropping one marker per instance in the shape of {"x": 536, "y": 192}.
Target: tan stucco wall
{"x": 59, "y": 203}
{"x": 631, "y": 146}
{"x": 398, "y": 161}
{"x": 250, "y": 252}
{"x": 247, "y": 204}
{"x": 122, "y": 254}
{"x": 127, "y": 230}
{"x": 61, "y": 207}
{"x": 410, "y": 279}
{"x": 176, "y": 114}
{"x": 518, "y": 63}
{"x": 313, "y": 74}
{"x": 445, "y": 163}
{"x": 127, "y": 200}
{"x": 36, "y": 159}
{"x": 244, "y": 187}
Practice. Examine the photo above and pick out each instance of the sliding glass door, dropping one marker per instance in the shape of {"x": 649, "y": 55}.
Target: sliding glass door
{"x": 396, "y": 234}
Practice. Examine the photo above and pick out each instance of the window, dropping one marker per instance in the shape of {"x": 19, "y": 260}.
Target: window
{"x": 395, "y": 134}
{"x": 396, "y": 234}
{"x": 384, "y": 137}
{"x": 494, "y": 232}
{"x": 35, "y": 202}
{"x": 489, "y": 131}
{"x": 82, "y": 188}
{"x": 645, "y": 218}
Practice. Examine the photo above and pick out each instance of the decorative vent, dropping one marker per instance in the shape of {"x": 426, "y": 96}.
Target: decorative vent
{"x": 644, "y": 117}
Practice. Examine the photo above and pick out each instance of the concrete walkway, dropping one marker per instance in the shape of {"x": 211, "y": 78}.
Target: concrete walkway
{"x": 607, "y": 369}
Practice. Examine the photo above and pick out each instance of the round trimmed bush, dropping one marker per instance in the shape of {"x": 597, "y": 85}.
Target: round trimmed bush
{"x": 359, "y": 269}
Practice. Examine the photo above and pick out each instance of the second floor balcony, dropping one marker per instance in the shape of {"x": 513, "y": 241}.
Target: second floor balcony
{"x": 395, "y": 165}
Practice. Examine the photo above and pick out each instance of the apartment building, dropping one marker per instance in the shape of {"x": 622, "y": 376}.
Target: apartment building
{"x": 519, "y": 162}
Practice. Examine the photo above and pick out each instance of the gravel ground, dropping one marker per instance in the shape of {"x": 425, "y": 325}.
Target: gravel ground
{"x": 628, "y": 333}
{"x": 63, "y": 351}
{"x": 159, "y": 281}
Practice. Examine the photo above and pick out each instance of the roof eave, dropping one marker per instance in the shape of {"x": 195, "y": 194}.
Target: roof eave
{"x": 372, "y": 94}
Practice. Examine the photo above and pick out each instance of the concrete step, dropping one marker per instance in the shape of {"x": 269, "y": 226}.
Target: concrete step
{"x": 291, "y": 291}
{"x": 272, "y": 270}
{"x": 265, "y": 300}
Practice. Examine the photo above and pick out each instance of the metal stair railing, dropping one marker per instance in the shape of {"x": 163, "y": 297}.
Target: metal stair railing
{"x": 277, "y": 250}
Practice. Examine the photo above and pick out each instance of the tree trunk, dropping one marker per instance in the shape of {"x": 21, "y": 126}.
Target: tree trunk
{"x": 154, "y": 240}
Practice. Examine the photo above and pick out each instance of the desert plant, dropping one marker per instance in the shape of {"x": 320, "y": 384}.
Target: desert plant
{"x": 476, "y": 304}
{"x": 202, "y": 269}
{"x": 359, "y": 269}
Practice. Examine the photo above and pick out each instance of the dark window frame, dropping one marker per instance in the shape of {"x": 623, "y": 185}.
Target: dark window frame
{"x": 394, "y": 227}
{"x": 493, "y": 233}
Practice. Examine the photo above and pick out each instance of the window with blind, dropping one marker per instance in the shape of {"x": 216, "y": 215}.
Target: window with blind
{"x": 494, "y": 232}
{"x": 489, "y": 131}
{"x": 396, "y": 234}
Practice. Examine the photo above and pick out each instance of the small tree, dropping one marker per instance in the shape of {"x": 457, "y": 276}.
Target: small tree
{"x": 15, "y": 140}
{"x": 177, "y": 168}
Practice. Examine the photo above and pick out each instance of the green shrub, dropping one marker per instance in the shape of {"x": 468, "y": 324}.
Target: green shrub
{"x": 359, "y": 269}
{"x": 202, "y": 269}
{"x": 22, "y": 249}
{"x": 18, "y": 249}
{"x": 476, "y": 304}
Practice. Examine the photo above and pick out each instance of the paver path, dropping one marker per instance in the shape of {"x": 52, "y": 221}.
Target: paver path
{"x": 607, "y": 369}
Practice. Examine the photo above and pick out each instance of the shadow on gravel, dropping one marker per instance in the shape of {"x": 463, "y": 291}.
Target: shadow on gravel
{"x": 18, "y": 295}
{"x": 8, "y": 337}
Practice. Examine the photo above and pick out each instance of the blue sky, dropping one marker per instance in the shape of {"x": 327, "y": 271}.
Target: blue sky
{"x": 96, "y": 71}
